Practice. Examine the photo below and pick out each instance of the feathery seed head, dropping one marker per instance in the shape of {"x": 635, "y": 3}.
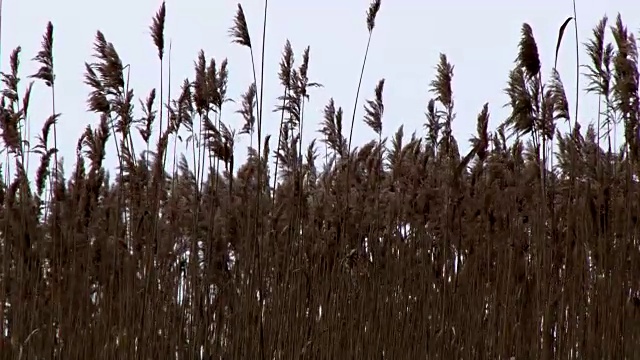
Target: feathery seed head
{"x": 528, "y": 57}
{"x": 239, "y": 32}
{"x": 45, "y": 57}
{"x": 441, "y": 85}
{"x": 374, "y": 109}
{"x": 372, "y": 13}
{"x": 223, "y": 79}
{"x": 247, "y": 110}
{"x": 286, "y": 64}
{"x": 157, "y": 29}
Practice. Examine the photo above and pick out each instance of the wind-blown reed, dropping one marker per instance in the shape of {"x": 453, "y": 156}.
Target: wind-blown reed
{"x": 525, "y": 247}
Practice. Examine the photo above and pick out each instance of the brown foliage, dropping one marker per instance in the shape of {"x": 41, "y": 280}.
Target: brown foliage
{"x": 398, "y": 249}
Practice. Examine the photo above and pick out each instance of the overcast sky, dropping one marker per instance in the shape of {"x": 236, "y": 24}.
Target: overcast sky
{"x": 479, "y": 37}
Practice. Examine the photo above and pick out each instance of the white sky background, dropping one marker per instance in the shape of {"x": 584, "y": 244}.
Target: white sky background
{"x": 479, "y": 37}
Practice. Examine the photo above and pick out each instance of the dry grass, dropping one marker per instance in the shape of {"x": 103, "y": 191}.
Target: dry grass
{"x": 402, "y": 248}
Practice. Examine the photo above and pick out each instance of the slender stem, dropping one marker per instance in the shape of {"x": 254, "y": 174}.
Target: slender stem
{"x": 259, "y": 192}
{"x": 164, "y": 160}
{"x": 0, "y": 34}
{"x": 355, "y": 104}
{"x": 129, "y": 137}
{"x": 275, "y": 176}
{"x": 55, "y": 126}
{"x": 161, "y": 96}
{"x": 575, "y": 26}
{"x": 353, "y": 120}
{"x": 264, "y": 38}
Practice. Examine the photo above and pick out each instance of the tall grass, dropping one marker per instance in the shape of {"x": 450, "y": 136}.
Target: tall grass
{"x": 525, "y": 247}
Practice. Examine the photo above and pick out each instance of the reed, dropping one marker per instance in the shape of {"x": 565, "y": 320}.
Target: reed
{"x": 525, "y": 247}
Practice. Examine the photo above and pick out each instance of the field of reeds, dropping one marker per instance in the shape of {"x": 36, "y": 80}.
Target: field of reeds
{"x": 525, "y": 247}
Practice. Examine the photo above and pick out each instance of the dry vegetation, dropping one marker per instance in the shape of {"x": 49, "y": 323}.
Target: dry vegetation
{"x": 401, "y": 248}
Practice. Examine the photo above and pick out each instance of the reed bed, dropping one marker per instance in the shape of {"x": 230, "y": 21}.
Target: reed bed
{"x": 526, "y": 247}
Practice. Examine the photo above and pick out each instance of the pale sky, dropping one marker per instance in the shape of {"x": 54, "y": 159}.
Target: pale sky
{"x": 479, "y": 37}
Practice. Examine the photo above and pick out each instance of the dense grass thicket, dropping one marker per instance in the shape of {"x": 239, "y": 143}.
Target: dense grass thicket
{"x": 526, "y": 247}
